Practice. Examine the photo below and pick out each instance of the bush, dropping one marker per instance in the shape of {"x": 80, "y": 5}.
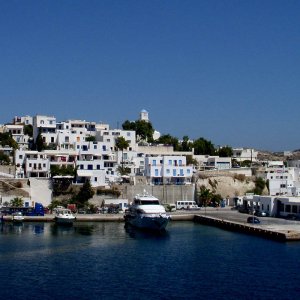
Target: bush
{"x": 18, "y": 184}
{"x": 239, "y": 177}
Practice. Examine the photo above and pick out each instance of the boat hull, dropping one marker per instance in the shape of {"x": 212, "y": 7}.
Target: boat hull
{"x": 148, "y": 222}
{"x": 64, "y": 221}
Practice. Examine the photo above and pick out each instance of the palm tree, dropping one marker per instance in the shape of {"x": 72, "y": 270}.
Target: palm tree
{"x": 205, "y": 195}
{"x": 17, "y": 202}
{"x": 122, "y": 144}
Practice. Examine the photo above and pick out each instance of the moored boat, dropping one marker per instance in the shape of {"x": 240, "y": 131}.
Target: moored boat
{"x": 64, "y": 216}
{"x": 146, "y": 212}
{"x": 17, "y": 217}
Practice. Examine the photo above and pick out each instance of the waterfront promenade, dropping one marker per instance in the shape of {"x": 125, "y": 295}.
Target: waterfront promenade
{"x": 226, "y": 218}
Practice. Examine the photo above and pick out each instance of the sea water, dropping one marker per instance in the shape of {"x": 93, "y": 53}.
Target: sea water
{"x": 107, "y": 261}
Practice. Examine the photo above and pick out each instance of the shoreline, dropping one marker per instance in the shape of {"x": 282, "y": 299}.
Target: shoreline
{"x": 224, "y": 218}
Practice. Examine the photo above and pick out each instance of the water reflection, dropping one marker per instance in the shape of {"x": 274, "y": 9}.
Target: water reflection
{"x": 137, "y": 233}
{"x": 38, "y": 228}
{"x": 61, "y": 230}
{"x": 10, "y": 227}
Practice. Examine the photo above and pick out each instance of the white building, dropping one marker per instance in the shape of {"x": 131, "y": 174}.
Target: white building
{"x": 96, "y": 163}
{"x": 144, "y": 115}
{"x": 46, "y": 125}
{"x": 282, "y": 180}
{"x": 219, "y": 163}
{"x": 17, "y": 133}
{"x": 26, "y": 120}
{"x": 167, "y": 170}
{"x": 242, "y": 154}
{"x": 281, "y": 206}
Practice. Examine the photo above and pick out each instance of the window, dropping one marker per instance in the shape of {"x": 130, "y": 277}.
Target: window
{"x": 20, "y": 156}
{"x": 288, "y": 208}
{"x": 98, "y": 167}
{"x": 156, "y": 172}
{"x": 154, "y": 162}
{"x": 90, "y": 167}
{"x": 170, "y": 162}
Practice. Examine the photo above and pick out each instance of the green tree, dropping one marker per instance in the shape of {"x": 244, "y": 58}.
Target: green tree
{"x": 127, "y": 125}
{"x": 167, "y": 139}
{"x": 143, "y": 130}
{"x": 259, "y": 186}
{"x": 4, "y": 159}
{"x": 191, "y": 161}
{"x": 204, "y": 196}
{"x": 246, "y": 163}
{"x": 90, "y": 139}
{"x": 186, "y": 145}
{"x": 203, "y": 147}
{"x": 122, "y": 144}
{"x": 123, "y": 170}
{"x": 17, "y": 202}
{"x": 28, "y": 130}
{"x": 86, "y": 192}
{"x": 7, "y": 140}
{"x": 39, "y": 143}
{"x": 225, "y": 151}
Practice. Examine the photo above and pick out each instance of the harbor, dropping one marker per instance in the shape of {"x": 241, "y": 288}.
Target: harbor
{"x": 225, "y": 218}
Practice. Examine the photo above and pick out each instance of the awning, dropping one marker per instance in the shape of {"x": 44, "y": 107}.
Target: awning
{"x": 84, "y": 173}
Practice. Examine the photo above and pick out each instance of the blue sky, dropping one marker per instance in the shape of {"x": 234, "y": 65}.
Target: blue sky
{"x": 228, "y": 71}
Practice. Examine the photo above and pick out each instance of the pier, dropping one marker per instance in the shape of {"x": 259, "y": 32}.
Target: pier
{"x": 255, "y": 229}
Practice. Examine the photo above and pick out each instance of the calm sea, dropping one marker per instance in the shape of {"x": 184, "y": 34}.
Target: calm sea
{"x": 104, "y": 261}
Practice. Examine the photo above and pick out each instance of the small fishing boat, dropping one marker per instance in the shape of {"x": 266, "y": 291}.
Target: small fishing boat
{"x": 64, "y": 216}
{"x": 17, "y": 217}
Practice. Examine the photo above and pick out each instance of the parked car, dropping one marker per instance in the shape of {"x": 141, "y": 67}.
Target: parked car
{"x": 253, "y": 220}
{"x": 291, "y": 217}
{"x": 260, "y": 214}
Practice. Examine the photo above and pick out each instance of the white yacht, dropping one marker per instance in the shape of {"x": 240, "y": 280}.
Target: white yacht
{"x": 146, "y": 212}
{"x": 64, "y": 216}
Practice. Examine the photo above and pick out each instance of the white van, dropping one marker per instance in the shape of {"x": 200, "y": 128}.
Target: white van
{"x": 186, "y": 204}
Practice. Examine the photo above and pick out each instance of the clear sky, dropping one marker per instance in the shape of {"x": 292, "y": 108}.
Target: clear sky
{"x": 228, "y": 71}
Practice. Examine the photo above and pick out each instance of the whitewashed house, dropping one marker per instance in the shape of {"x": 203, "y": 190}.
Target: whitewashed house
{"x": 97, "y": 163}
{"x": 25, "y": 120}
{"x": 167, "y": 170}
{"x": 242, "y": 154}
{"x": 36, "y": 164}
{"x": 17, "y": 133}
{"x": 282, "y": 180}
{"x": 46, "y": 125}
{"x": 218, "y": 163}
{"x": 278, "y": 206}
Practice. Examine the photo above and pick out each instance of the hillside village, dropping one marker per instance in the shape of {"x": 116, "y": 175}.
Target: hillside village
{"x": 50, "y": 159}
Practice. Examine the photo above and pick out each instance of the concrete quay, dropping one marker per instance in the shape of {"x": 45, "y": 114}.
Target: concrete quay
{"x": 225, "y": 218}
{"x": 271, "y": 228}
